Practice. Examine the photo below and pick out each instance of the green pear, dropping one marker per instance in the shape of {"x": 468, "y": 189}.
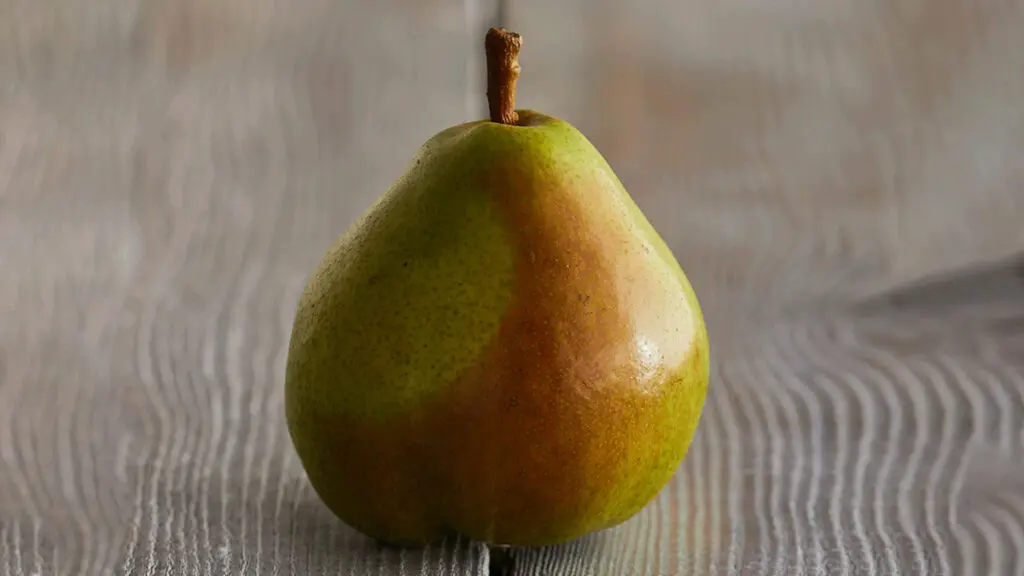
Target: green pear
{"x": 502, "y": 346}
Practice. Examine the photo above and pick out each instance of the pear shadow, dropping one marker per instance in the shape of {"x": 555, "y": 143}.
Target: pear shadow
{"x": 585, "y": 555}
{"x": 286, "y": 529}
{"x": 322, "y": 542}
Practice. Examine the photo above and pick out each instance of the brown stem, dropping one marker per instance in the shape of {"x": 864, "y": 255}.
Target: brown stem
{"x": 502, "y": 73}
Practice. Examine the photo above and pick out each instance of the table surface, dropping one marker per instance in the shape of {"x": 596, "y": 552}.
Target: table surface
{"x": 171, "y": 171}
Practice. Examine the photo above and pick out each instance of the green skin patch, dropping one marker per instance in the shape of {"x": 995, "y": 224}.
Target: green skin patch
{"x": 410, "y": 296}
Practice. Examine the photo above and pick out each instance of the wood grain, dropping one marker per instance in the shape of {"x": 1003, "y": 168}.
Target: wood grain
{"x": 171, "y": 171}
{"x": 170, "y": 175}
{"x": 797, "y": 157}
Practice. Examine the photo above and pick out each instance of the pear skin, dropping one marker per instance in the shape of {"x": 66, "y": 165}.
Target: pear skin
{"x": 501, "y": 347}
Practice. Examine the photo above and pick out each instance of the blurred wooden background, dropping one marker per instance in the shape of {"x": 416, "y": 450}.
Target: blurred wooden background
{"x": 171, "y": 170}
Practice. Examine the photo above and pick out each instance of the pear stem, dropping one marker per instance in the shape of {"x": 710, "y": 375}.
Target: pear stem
{"x": 502, "y": 73}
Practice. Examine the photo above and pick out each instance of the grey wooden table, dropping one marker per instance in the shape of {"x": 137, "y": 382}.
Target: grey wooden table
{"x": 171, "y": 170}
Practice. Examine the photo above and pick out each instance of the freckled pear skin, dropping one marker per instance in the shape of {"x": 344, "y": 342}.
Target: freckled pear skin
{"x": 502, "y": 347}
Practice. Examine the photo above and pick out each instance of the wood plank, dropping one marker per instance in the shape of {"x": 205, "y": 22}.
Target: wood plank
{"x": 797, "y": 155}
{"x": 170, "y": 172}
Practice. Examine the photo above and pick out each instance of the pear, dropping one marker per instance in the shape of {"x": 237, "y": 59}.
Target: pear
{"x": 502, "y": 346}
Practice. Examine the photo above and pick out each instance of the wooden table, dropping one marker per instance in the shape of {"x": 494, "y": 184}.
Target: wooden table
{"x": 171, "y": 170}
